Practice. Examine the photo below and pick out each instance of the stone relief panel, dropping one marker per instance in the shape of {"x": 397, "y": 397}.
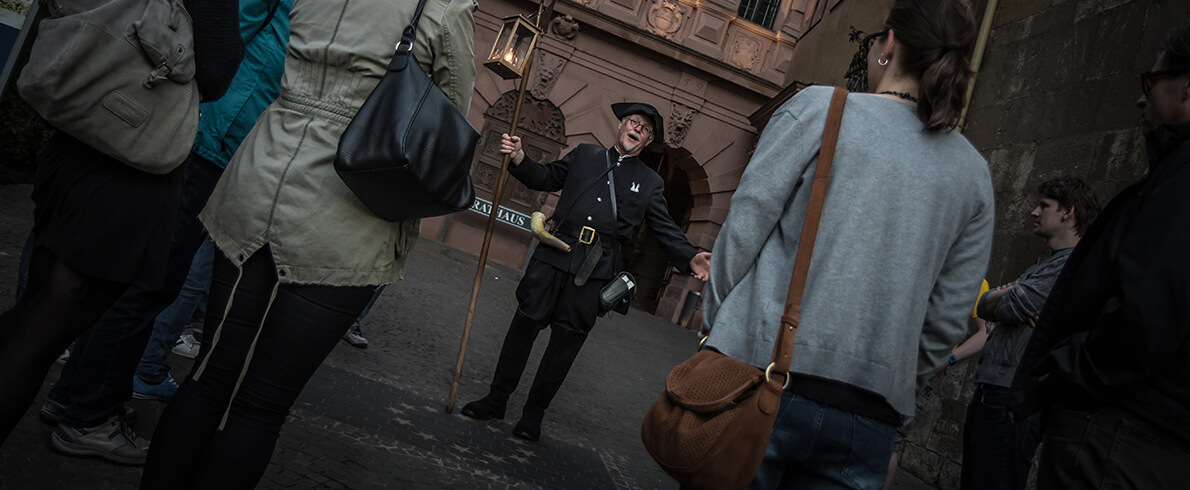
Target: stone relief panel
{"x": 680, "y": 118}
{"x": 546, "y": 71}
{"x": 564, "y": 26}
{"x": 537, "y": 115}
{"x": 665, "y": 18}
{"x": 745, "y": 52}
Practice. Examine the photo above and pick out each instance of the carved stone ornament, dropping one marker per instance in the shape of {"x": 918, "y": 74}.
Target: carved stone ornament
{"x": 679, "y": 124}
{"x": 665, "y": 18}
{"x": 547, "y": 69}
{"x": 565, "y": 26}
{"x": 537, "y": 115}
{"x": 745, "y": 53}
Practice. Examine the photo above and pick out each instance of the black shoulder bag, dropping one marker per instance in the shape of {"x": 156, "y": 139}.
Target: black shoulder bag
{"x": 407, "y": 152}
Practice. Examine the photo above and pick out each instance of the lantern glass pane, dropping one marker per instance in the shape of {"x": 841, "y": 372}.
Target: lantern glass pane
{"x": 503, "y": 41}
{"x": 523, "y": 43}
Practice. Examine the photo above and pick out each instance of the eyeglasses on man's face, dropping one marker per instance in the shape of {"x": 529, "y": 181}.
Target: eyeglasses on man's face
{"x": 639, "y": 125}
{"x": 1150, "y": 78}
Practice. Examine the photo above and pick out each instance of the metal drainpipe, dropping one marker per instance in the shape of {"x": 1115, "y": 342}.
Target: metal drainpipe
{"x": 981, "y": 45}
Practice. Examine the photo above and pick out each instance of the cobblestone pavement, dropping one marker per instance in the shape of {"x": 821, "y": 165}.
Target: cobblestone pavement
{"x": 375, "y": 417}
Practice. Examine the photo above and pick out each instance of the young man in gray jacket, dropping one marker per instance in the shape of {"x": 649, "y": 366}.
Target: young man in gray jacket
{"x": 997, "y": 454}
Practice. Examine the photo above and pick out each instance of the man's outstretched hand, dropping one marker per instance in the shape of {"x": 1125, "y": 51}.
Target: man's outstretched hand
{"x": 701, "y": 264}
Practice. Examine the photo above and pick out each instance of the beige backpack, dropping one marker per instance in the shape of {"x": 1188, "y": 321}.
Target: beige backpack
{"x": 119, "y": 76}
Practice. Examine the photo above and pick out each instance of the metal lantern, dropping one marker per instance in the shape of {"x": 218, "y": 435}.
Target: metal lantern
{"x": 509, "y": 55}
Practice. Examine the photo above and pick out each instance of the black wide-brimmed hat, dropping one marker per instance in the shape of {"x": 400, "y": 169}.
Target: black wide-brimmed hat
{"x": 625, "y": 109}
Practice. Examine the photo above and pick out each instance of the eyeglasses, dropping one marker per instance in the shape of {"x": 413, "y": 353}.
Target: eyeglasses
{"x": 641, "y": 126}
{"x": 1147, "y": 79}
{"x": 867, "y": 40}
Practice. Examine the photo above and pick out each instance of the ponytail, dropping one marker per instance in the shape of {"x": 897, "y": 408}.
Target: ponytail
{"x": 937, "y": 36}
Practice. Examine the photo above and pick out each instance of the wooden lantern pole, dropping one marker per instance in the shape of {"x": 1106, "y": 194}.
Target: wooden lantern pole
{"x": 544, "y": 12}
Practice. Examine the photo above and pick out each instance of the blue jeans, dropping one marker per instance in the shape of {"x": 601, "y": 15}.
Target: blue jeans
{"x": 23, "y": 267}
{"x": 154, "y": 363}
{"x": 98, "y": 377}
{"x": 375, "y": 296}
{"x": 997, "y": 455}
{"x": 814, "y": 446}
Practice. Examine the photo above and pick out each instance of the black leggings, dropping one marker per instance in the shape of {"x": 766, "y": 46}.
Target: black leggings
{"x": 58, "y": 304}
{"x": 303, "y": 324}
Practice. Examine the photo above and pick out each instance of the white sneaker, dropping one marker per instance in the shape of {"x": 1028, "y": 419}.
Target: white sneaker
{"x": 187, "y": 346}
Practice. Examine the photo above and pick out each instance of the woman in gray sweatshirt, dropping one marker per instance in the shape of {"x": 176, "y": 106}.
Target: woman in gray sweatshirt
{"x": 902, "y": 246}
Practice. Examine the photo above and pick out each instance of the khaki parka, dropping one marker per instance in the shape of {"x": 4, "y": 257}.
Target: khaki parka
{"x": 281, "y": 189}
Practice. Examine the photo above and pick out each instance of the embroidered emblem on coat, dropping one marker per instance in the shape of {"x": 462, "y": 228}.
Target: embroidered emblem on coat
{"x": 635, "y": 187}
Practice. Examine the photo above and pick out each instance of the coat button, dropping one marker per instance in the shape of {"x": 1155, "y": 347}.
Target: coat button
{"x": 600, "y": 199}
{"x": 588, "y": 218}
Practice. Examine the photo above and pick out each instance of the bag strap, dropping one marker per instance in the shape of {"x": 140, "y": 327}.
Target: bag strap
{"x": 783, "y": 347}
{"x": 269, "y": 18}
{"x": 611, "y": 187}
{"x": 410, "y": 33}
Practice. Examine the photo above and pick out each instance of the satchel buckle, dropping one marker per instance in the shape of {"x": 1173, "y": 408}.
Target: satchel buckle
{"x": 768, "y": 375}
{"x": 586, "y": 236}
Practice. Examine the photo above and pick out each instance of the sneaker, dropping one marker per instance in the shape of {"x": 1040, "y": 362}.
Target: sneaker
{"x": 149, "y": 391}
{"x": 51, "y": 412}
{"x": 355, "y": 337}
{"x": 187, "y": 346}
{"x": 113, "y": 440}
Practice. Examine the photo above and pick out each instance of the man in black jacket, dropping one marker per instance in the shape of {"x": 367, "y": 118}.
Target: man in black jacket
{"x": 606, "y": 194}
{"x": 1109, "y": 360}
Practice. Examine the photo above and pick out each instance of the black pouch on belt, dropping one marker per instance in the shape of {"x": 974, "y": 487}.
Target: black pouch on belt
{"x": 617, "y": 294}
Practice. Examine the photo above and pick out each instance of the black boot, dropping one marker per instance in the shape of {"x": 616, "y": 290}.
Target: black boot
{"x": 564, "y": 346}
{"x": 486, "y": 408}
{"x": 529, "y": 427}
{"x": 514, "y": 354}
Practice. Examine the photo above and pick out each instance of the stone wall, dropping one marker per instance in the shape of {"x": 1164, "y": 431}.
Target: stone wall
{"x": 1056, "y": 96}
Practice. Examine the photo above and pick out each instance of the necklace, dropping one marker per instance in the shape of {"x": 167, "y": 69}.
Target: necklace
{"x": 902, "y": 95}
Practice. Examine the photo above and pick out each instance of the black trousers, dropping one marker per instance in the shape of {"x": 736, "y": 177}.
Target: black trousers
{"x": 997, "y": 455}
{"x": 98, "y": 377}
{"x": 547, "y": 297}
{"x": 1106, "y": 447}
{"x": 221, "y": 427}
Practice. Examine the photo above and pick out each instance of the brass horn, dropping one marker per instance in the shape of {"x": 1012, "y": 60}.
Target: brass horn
{"x": 537, "y": 225}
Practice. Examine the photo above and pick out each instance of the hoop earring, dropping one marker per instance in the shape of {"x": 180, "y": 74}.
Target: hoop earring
{"x": 882, "y": 62}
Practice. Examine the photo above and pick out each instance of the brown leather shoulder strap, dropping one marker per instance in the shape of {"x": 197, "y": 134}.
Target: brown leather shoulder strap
{"x": 783, "y": 348}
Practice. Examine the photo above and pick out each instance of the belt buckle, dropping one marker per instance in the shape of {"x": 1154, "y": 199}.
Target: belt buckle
{"x": 586, "y": 236}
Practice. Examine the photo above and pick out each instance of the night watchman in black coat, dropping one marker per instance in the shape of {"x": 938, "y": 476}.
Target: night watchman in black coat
{"x": 558, "y": 290}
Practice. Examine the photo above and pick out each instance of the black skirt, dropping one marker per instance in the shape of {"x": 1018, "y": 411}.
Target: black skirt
{"x": 102, "y": 217}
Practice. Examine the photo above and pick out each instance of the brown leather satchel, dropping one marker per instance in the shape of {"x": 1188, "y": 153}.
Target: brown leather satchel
{"x": 710, "y": 427}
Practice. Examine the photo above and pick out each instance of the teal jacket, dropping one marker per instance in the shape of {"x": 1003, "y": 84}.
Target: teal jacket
{"x": 225, "y": 122}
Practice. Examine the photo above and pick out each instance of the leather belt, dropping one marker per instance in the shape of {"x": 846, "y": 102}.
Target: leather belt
{"x": 587, "y": 236}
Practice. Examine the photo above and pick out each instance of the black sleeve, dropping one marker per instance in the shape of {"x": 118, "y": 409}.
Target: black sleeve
{"x": 218, "y": 47}
{"x": 547, "y": 177}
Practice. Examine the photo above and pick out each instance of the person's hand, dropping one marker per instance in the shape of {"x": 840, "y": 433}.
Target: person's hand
{"x": 701, "y": 265}
{"x": 511, "y": 145}
{"x": 1006, "y": 286}
{"x": 1033, "y": 321}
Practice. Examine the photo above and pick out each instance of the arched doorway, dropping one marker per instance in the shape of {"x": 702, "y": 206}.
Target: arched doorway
{"x": 643, "y": 256}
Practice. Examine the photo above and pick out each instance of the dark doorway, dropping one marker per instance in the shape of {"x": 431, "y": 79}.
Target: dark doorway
{"x": 643, "y": 256}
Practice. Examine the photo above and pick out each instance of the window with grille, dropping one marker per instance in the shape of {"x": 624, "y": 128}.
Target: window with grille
{"x": 761, "y": 12}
